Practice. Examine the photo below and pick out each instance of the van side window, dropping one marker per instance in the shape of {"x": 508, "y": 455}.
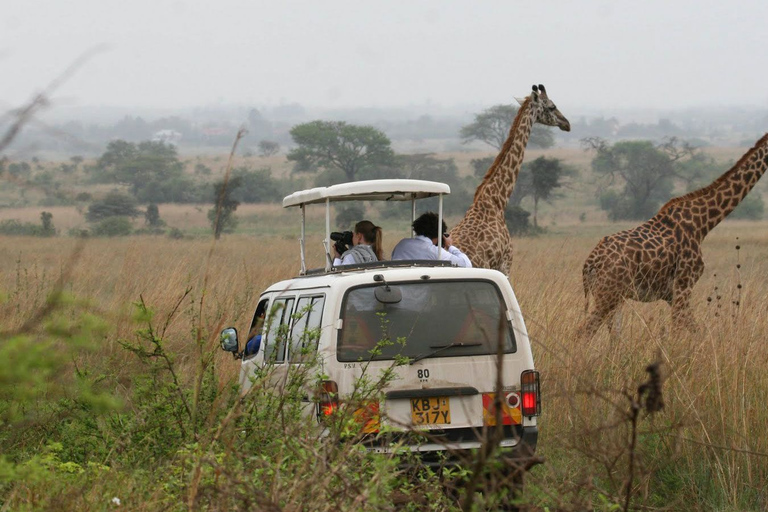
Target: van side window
{"x": 255, "y": 333}
{"x": 279, "y": 323}
{"x": 305, "y": 333}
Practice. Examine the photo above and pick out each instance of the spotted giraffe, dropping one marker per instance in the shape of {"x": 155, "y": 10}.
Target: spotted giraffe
{"x": 482, "y": 234}
{"x": 661, "y": 258}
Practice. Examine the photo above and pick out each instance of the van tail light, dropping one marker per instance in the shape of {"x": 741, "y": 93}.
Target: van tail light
{"x": 328, "y": 399}
{"x": 530, "y": 393}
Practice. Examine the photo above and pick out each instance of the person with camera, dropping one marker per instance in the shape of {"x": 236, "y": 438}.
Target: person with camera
{"x": 362, "y": 245}
{"x": 423, "y": 245}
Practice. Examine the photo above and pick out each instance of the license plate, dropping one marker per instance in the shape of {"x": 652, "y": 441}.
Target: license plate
{"x": 431, "y": 411}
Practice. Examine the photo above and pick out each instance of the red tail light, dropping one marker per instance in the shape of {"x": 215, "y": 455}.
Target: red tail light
{"x": 328, "y": 399}
{"x": 531, "y": 396}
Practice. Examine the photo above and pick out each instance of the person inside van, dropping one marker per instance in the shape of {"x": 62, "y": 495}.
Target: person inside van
{"x": 366, "y": 245}
{"x": 422, "y": 246}
{"x": 254, "y": 336}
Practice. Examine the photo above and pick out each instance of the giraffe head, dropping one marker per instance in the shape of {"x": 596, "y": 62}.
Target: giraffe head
{"x": 544, "y": 110}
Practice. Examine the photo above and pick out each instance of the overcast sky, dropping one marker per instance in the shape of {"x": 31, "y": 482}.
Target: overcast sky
{"x": 590, "y": 53}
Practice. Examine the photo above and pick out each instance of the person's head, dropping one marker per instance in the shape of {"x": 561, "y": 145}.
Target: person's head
{"x": 426, "y": 225}
{"x": 367, "y": 233}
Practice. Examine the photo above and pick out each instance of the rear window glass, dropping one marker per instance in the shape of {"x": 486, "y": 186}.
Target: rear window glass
{"x": 432, "y": 319}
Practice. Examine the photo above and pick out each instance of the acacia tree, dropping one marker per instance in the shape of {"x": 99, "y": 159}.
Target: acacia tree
{"x": 114, "y": 204}
{"x": 338, "y": 145}
{"x": 492, "y": 127}
{"x": 151, "y": 169}
{"x": 639, "y": 176}
{"x": 546, "y": 176}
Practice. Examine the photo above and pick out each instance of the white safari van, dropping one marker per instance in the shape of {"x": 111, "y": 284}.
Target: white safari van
{"x": 445, "y": 334}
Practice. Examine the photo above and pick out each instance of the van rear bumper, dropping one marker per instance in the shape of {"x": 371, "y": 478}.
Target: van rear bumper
{"x": 455, "y": 446}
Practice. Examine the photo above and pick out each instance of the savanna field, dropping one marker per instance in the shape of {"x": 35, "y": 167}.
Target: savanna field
{"x": 115, "y": 395}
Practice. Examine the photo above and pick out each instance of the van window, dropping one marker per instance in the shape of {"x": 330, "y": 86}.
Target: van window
{"x": 255, "y": 333}
{"x": 279, "y": 323}
{"x": 306, "y": 328}
{"x": 431, "y": 316}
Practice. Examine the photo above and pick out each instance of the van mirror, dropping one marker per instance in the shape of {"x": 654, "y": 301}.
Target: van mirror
{"x": 228, "y": 340}
{"x": 387, "y": 294}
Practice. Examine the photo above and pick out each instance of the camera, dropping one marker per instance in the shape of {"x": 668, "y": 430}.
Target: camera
{"x": 343, "y": 241}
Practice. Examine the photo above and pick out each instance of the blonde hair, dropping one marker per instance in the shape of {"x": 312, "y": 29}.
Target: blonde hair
{"x": 372, "y": 235}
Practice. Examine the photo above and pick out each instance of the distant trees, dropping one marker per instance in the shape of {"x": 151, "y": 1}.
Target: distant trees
{"x": 429, "y": 167}
{"x": 481, "y": 165}
{"x": 256, "y": 186}
{"x": 152, "y": 170}
{"x": 546, "y": 175}
{"x": 16, "y": 228}
{"x": 336, "y": 144}
{"x": 492, "y": 127}
{"x": 268, "y": 148}
{"x": 640, "y": 175}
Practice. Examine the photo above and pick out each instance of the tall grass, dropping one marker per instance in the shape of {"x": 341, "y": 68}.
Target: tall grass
{"x": 706, "y": 450}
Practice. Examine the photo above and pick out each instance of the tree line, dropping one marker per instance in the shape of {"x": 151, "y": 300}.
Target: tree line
{"x": 632, "y": 178}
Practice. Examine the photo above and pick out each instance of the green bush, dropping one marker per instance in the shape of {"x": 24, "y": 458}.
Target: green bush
{"x": 113, "y": 226}
{"x": 176, "y": 234}
{"x": 14, "y": 227}
{"x": 114, "y": 204}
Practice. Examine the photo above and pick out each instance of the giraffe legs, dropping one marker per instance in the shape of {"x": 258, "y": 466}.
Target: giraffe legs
{"x": 604, "y": 311}
{"x": 682, "y": 317}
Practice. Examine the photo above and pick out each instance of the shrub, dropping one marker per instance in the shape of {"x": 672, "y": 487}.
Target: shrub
{"x": 113, "y": 226}
{"x": 14, "y": 227}
{"x": 115, "y": 204}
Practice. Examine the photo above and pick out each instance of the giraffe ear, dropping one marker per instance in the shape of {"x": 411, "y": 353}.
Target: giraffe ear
{"x": 520, "y": 101}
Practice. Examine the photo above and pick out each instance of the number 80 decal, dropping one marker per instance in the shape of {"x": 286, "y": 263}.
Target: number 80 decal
{"x": 422, "y": 374}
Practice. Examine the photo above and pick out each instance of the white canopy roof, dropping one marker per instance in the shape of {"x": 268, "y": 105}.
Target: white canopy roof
{"x": 371, "y": 190}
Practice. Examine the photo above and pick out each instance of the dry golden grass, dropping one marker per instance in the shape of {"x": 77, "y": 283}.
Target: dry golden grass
{"x": 715, "y": 389}
{"x": 714, "y": 421}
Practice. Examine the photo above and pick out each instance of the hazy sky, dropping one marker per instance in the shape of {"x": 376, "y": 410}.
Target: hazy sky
{"x": 334, "y": 53}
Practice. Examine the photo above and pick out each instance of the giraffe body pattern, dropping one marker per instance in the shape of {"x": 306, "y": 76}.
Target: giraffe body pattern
{"x": 661, "y": 259}
{"x": 483, "y": 234}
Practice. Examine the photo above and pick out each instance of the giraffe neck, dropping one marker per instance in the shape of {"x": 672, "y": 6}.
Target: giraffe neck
{"x": 499, "y": 181}
{"x": 714, "y": 202}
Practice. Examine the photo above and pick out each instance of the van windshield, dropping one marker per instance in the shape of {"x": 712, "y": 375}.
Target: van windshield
{"x": 432, "y": 319}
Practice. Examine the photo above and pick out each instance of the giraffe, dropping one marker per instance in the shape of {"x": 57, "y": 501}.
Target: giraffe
{"x": 482, "y": 234}
{"x": 661, "y": 258}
